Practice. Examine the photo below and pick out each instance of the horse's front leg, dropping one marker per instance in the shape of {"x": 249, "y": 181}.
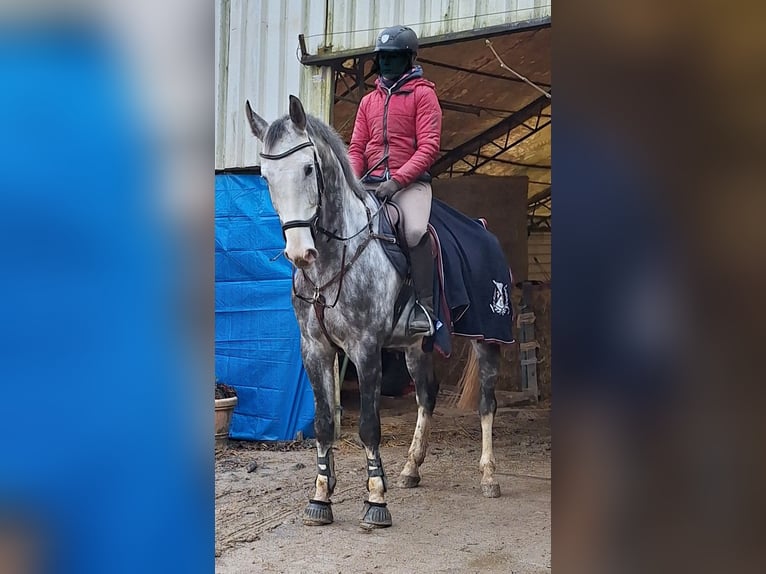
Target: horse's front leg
{"x": 318, "y": 360}
{"x": 367, "y": 359}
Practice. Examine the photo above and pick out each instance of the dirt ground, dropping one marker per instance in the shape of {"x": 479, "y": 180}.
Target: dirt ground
{"x": 443, "y": 525}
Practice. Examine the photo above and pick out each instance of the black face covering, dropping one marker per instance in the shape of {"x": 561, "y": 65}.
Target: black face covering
{"x": 393, "y": 64}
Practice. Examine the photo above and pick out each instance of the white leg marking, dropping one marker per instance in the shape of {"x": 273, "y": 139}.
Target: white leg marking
{"x": 487, "y": 455}
{"x": 419, "y": 445}
{"x": 376, "y": 489}
{"x": 322, "y": 491}
{"x": 489, "y": 486}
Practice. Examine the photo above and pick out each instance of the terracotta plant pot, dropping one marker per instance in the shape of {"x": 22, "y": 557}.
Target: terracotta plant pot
{"x": 223, "y": 410}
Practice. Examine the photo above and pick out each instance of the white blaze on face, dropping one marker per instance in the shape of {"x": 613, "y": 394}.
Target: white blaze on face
{"x": 294, "y": 196}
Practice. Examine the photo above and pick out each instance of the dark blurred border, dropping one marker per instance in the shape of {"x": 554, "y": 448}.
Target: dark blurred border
{"x": 658, "y": 252}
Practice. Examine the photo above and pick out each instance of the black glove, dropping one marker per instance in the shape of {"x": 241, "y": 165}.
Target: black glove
{"x": 387, "y": 189}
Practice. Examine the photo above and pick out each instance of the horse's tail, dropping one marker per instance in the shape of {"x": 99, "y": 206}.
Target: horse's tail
{"x": 468, "y": 386}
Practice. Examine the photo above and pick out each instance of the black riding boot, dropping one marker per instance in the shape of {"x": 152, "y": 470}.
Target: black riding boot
{"x": 422, "y": 270}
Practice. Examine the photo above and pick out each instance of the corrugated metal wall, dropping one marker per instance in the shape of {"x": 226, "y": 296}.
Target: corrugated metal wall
{"x": 353, "y": 25}
{"x": 257, "y": 51}
{"x": 256, "y": 45}
{"x": 539, "y": 254}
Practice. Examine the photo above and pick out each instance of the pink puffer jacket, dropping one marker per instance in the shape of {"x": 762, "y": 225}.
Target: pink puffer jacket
{"x": 405, "y": 124}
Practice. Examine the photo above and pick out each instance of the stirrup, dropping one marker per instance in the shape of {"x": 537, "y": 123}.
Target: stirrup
{"x": 415, "y": 324}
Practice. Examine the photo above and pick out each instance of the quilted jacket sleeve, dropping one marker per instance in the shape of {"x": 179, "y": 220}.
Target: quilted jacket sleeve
{"x": 359, "y": 139}
{"x": 428, "y": 129}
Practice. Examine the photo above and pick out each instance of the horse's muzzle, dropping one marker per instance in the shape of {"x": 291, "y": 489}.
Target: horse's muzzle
{"x": 306, "y": 259}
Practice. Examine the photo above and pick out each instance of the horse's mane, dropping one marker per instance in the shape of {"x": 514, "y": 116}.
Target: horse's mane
{"x": 327, "y": 141}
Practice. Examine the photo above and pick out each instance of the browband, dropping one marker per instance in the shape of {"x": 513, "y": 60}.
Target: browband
{"x": 288, "y": 152}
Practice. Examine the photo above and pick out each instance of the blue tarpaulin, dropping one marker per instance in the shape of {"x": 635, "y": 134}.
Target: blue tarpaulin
{"x": 257, "y": 341}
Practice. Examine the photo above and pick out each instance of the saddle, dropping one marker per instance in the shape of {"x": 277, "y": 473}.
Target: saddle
{"x": 391, "y": 235}
{"x": 392, "y": 239}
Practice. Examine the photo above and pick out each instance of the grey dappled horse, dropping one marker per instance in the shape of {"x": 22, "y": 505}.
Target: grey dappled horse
{"x": 344, "y": 292}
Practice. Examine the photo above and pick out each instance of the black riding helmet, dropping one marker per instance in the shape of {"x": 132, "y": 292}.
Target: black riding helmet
{"x": 395, "y": 50}
{"x": 397, "y": 39}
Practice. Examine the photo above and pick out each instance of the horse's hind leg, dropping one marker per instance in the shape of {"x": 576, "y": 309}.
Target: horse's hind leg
{"x": 318, "y": 361}
{"x": 488, "y": 355}
{"x": 421, "y": 368}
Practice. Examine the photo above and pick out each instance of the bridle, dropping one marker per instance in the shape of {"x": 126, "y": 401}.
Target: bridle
{"x": 317, "y": 299}
{"x": 311, "y": 222}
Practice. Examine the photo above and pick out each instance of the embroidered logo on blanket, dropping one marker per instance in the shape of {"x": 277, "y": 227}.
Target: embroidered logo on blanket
{"x": 499, "y": 303}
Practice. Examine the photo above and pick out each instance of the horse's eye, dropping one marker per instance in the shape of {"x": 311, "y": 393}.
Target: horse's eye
{"x": 308, "y": 169}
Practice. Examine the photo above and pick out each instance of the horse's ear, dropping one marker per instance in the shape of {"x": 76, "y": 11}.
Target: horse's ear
{"x": 297, "y": 115}
{"x": 257, "y": 123}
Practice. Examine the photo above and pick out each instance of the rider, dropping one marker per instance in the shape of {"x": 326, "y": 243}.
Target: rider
{"x": 397, "y": 132}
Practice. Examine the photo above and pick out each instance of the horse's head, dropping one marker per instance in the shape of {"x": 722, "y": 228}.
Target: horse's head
{"x": 290, "y": 167}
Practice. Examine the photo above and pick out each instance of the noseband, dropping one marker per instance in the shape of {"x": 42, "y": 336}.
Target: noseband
{"x": 312, "y": 221}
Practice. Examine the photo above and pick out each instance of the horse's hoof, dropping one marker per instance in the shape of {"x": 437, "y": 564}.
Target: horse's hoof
{"x": 406, "y": 481}
{"x": 317, "y": 513}
{"x": 376, "y": 515}
{"x": 491, "y": 490}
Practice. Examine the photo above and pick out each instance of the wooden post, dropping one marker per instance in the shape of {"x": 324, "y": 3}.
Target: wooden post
{"x": 527, "y": 344}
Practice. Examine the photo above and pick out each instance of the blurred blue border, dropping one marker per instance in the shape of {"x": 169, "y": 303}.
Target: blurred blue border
{"x": 106, "y": 424}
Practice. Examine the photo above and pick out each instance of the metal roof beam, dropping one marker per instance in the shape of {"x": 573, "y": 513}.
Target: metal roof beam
{"x": 540, "y": 197}
{"x": 462, "y": 108}
{"x": 477, "y": 72}
{"x": 540, "y": 200}
{"x": 501, "y": 128}
{"x": 479, "y": 159}
{"x": 514, "y": 163}
{"x": 539, "y": 225}
{"x": 359, "y": 78}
